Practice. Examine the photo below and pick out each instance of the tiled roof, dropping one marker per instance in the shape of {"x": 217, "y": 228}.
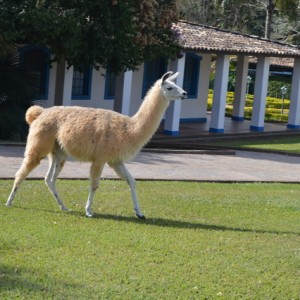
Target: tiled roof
{"x": 207, "y": 39}
{"x": 282, "y": 62}
{"x": 285, "y": 62}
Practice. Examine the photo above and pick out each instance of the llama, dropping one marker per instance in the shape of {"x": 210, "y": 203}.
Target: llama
{"x": 94, "y": 135}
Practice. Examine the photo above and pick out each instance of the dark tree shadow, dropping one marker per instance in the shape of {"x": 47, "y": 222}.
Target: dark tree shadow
{"x": 12, "y": 278}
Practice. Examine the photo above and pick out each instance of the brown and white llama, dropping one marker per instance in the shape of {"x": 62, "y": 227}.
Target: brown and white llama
{"x": 95, "y": 135}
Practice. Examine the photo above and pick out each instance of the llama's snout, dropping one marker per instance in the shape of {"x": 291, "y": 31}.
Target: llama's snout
{"x": 183, "y": 95}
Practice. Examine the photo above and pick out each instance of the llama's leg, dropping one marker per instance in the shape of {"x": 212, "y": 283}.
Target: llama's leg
{"x": 122, "y": 171}
{"x": 95, "y": 174}
{"x": 28, "y": 164}
{"x": 56, "y": 163}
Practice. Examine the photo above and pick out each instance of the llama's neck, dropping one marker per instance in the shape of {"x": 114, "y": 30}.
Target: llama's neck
{"x": 148, "y": 117}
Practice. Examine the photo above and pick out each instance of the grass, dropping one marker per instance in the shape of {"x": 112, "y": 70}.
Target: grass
{"x": 287, "y": 143}
{"x": 200, "y": 241}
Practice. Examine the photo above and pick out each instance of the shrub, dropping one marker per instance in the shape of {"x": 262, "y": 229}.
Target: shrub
{"x": 273, "y": 107}
{"x": 275, "y": 85}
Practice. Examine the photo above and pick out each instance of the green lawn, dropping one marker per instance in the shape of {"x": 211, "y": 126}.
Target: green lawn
{"x": 200, "y": 241}
{"x": 286, "y": 143}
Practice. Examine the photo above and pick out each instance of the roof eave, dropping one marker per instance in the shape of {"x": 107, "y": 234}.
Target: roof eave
{"x": 245, "y": 53}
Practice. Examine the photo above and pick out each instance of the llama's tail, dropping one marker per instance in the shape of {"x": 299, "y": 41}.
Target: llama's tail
{"x": 32, "y": 113}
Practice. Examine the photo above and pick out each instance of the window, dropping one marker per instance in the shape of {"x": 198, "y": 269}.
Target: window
{"x": 81, "y": 85}
{"x": 152, "y": 72}
{"x": 110, "y": 84}
{"x": 36, "y": 60}
{"x": 191, "y": 75}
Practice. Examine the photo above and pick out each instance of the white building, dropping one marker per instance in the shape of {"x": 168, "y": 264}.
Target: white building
{"x": 62, "y": 86}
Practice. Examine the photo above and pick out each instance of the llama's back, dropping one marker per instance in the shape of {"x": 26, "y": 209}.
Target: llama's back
{"x": 87, "y": 134}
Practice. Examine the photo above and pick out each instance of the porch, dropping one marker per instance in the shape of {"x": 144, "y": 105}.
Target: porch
{"x": 198, "y": 132}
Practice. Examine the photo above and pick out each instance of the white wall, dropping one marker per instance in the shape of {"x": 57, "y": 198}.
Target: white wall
{"x": 195, "y": 109}
{"x": 97, "y": 92}
{"x": 192, "y": 109}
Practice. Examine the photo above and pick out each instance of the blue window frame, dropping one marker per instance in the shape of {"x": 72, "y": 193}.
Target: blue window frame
{"x": 36, "y": 60}
{"x": 153, "y": 70}
{"x": 110, "y": 84}
{"x": 191, "y": 75}
{"x": 81, "y": 84}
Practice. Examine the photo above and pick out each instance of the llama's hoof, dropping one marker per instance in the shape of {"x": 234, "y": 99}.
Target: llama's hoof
{"x": 89, "y": 215}
{"x": 65, "y": 208}
{"x": 9, "y": 202}
{"x": 142, "y": 217}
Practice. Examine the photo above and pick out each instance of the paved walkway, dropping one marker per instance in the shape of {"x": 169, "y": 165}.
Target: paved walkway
{"x": 241, "y": 166}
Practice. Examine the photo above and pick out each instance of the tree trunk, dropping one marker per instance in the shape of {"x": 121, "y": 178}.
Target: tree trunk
{"x": 269, "y": 18}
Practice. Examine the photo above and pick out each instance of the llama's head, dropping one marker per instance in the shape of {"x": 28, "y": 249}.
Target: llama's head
{"x": 170, "y": 90}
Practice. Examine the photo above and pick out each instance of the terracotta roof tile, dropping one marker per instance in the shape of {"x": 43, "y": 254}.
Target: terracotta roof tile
{"x": 214, "y": 40}
{"x": 286, "y": 62}
{"x": 282, "y": 62}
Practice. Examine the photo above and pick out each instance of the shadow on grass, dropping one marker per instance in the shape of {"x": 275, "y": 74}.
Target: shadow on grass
{"x": 28, "y": 282}
{"x": 165, "y": 222}
{"x": 183, "y": 224}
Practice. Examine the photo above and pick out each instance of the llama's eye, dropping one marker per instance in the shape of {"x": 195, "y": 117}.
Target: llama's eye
{"x": 169, "y": 88}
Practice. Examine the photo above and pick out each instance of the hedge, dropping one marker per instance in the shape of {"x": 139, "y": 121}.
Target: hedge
{"x": 273, "y": 107}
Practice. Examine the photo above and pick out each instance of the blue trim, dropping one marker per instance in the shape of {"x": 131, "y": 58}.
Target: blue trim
{"x": 216, "y": 130}
{"x": 88, "y": 73}
{"x": 191, "y": 86}
{"x": 46, "y": 74}
{"x": 193, "y": 120}
{"x": 257, "y": 128}
{"x": 290, "y": 126}
{"x": 170, "y": 132}
{"x": 237, "y": 119}
{"x": 162, "y": 68}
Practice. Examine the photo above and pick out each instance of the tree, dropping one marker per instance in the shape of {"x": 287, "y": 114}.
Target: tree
{"x": 115, "y": 34}
{"x": 199, "y": 11}
{"x": 237, "y": 15}
{"x": 284, "y": 7}
{"x": 258, "y": 17}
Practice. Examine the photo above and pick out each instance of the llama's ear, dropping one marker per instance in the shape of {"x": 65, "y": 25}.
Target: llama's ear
{"x": 166, "y": 76}
{"x": 173, "y": 77}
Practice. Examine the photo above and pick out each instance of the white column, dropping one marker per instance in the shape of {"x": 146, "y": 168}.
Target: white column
{"x": 97, "y": 88}
{"x": 172, "y": 116}
{"x": 294, "y": 113}
{"x": 127, "y": 88}
{"x": 204, "y": 76}
{"x": 240, "y": 88}
{"x": 260, "y": 93}
{"x": 52, "y": 80}
{"x": 220, "y": 91}
{"x": 67, "y": 89}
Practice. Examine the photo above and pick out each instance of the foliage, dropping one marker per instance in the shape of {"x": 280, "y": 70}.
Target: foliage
{"x": 200, "y": 241}
{"x": 273, "y": 112}
{"x": 275, "y": 85}
{"x": 258, "y": 17}
{"x": 17, "y": 90}
{"x": 118, "y": 34}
